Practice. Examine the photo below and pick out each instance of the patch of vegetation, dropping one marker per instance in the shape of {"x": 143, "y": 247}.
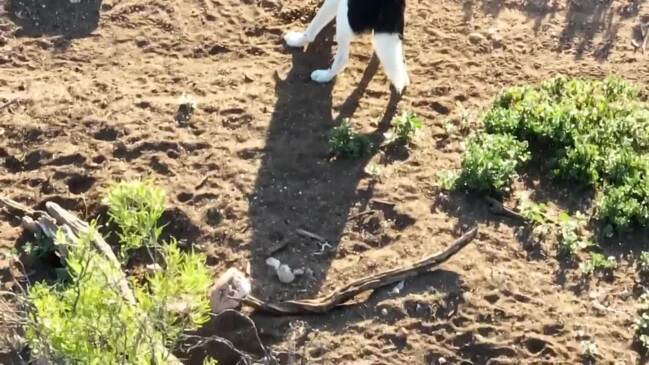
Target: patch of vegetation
{"x": 86, "y": 320}
{"x": 642, "y": 323}
{"x": 490, "y": 162}
{"x": 593, "y": 133}
{"x": 570, "y": 236}
{"x": 345, "y": 143}
{"x": 643, "y": 264}
{"x": 404, "y": 128}
{"x": 598, "y": 263}
{"x": 135, "y": 207}
{"x": 589, "y": 350}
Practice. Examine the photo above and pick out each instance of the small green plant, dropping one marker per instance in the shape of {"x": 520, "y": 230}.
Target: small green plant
{"x": 40, "y": 247}
{"x": 345, "y": 143}
{"x": 177, "y": 295}
{"x": 597, "y": 262}
{"x": 643, "y": 264}
{"x": 571, "y": 234}
{"x": 642, "y": 323}
{"x": 404, "y": 128}
{"x": 374, "y": 171}
{"x": 589, "y": 349}
{"x": 537, "y": 215}
{"x": 135, "y": 207}
{"x": 447, "y": 179}
{"x": 534, "y": 212}
{"x": 490, "y": 162}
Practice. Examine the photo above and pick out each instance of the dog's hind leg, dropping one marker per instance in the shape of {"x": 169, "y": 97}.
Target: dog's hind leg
{"x": 389, "y": 49}
{"x": 344, "y": 37}
{"x": 325, "y": 15}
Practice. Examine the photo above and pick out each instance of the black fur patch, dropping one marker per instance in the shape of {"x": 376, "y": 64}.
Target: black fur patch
{"x": 380, "y": 16}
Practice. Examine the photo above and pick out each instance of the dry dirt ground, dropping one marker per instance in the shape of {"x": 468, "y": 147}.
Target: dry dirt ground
{"x": 95, "y": 87}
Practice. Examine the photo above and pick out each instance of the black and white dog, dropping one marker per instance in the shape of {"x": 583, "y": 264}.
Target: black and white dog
{"x": 383, "y": 17}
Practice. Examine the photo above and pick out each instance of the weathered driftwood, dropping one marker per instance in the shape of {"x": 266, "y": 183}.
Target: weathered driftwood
{"x": 349, "y": 291}
{"x": 58, "y": 218}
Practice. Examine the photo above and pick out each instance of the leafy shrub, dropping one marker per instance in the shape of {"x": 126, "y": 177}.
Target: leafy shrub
{"x": 135, "y": 207}
{"x": 643, "y": 265}
{"x": 177, "y": 295}
{"x": 345, "y": 143}
{"x": 490, "y": 162}
{"x": 87, "y": 321}
{"x": 597, "y": 262}
{"x": 404, "y": 128}
{"x": 570, "y": 237}
{"x": 594, "y": 133}
{"x": 642, "y": 323}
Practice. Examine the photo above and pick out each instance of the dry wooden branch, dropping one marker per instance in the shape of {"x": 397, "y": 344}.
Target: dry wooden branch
{"x": 58, "y": 218}
{"x": 343, "y": 294}
{"x": 497, "y": 207}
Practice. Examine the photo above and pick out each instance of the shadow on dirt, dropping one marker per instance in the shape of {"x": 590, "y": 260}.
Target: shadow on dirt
{"x": 54, "y": 17}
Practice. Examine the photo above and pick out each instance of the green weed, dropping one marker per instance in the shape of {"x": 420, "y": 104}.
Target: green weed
{"x": 345, "y": 143}
{"x": 597, "y": 263}
{"x": 404, "y": 128}
{"x": 86, "y": 320}
{"x": 135, "y": 207}
{"x": 641, "y": 324}
{"x": 571, "y": 234}
{"x": 643, "y": 264}
{"x": 589, "y": 349}
{"x": 490, "y": 162}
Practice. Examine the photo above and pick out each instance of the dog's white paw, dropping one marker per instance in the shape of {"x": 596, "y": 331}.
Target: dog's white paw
{"x": 401, "y": 83}
{"x": 296, "y": 39}
{"x": 321, "y": 76}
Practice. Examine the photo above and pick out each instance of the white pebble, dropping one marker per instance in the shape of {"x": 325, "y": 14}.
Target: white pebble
{"x": 273, "y": 262}
{"x": 285, "y": 274}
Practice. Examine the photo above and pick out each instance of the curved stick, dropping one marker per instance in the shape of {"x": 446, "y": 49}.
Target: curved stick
{"x": 349, "y": 291}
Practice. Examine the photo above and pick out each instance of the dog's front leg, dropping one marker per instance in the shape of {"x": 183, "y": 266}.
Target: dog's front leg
{"x": 344, "y": 37}
{"x": 325, "y": 15}
{"x": 339, "y": 63}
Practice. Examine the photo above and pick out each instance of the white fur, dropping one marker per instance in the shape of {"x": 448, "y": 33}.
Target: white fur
{"x": 388, "y": 47}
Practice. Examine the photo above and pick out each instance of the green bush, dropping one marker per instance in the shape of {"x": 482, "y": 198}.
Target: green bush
{"x": 87, "y": 321}
{"x": 490, "y": 162}
{"x": 404, "y": 128}
{"x": 135, "y": 207}
{"x": 594, "y": 133}
{"x": 345, "y": 143}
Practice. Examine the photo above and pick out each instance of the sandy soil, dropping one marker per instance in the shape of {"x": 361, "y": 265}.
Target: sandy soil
{"x": 96, "y": 86}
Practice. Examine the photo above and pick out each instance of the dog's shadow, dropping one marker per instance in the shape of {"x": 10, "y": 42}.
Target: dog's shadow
{"x": 297, "y": 186}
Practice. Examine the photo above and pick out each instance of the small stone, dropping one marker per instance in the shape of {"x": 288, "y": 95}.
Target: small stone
{"x": 298, "y": 272}
{"x": 441, "y": 361}
{"x": 285, "y": 274}
{"x": 384, "y": 311}
{"x": 397, "y": 288}
{"x": 228, "y": 290}
{"x": 273, "y": 262}
{"x": 476, "y": 38}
